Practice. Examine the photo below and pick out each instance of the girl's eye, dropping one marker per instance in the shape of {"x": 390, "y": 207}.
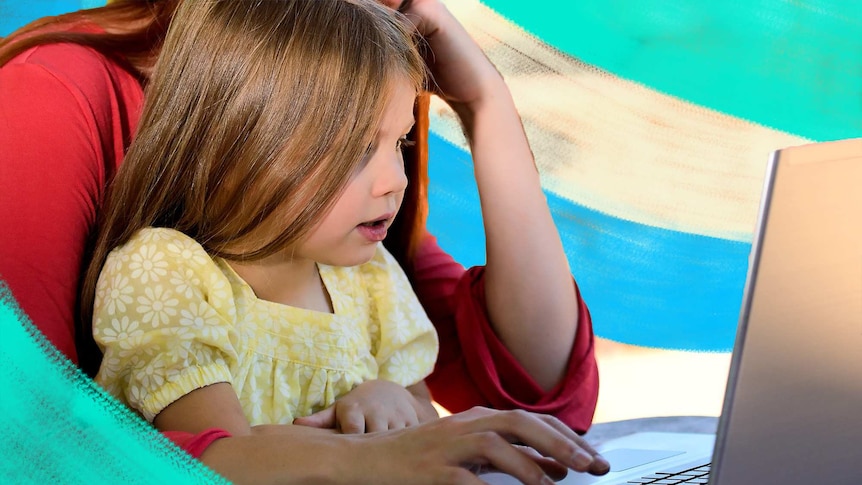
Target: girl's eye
{"x": 403, "y": 143}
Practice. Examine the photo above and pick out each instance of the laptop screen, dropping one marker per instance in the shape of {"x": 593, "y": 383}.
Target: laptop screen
{"x": 794, "y": 395}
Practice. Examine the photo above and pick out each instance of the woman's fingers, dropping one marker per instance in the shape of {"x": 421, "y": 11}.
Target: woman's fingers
{"x": 393, "y": 4}
{"x": 599, "y": 465}
{"x": 444, "y": 450}
{"x": 541, "y": 434}
{"x": 551, "y": 467}
{"x": 496, "y": 452}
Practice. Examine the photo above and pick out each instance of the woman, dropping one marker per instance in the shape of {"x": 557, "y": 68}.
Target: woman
{"x": 69, "y": 112}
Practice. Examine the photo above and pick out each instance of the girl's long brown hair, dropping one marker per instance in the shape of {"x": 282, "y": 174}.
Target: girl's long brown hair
{"x": 257, "y": 115}
{"x": 132, "y": 33}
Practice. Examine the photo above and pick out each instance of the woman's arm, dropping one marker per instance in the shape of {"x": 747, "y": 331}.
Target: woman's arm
{"x": 530, "y": 296}
{"x": 439, "y": 451}
{"x": 474, "y": 368}
{"x": 432, "y": 452}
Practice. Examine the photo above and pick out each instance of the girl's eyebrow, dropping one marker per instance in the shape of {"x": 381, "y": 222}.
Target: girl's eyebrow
{"x": 409, "y": 126}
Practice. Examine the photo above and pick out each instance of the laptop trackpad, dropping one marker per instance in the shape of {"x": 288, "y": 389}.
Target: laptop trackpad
{"x": 624, "y": 458}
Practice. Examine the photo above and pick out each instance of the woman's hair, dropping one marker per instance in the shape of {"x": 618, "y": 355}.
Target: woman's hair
{"x": 257, "y": 113}
{"x": 130, "y": 31}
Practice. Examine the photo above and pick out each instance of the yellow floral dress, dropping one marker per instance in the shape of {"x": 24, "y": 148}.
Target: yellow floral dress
{"x": 171, "y": 319}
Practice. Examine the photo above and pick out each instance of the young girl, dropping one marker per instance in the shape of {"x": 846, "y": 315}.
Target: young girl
{"x": 247, "y": 284}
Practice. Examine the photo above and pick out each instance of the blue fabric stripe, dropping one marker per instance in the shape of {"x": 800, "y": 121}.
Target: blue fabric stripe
{"x": 644, "y": 285}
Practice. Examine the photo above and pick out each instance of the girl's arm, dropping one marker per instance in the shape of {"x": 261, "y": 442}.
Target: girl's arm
{"x": 213, "y": 406}
{"x": 530, "y": 296}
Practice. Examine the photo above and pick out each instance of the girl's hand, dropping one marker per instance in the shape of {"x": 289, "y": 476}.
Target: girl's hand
{"x": 376, "y": 405}
{"x": 446, "y": 449}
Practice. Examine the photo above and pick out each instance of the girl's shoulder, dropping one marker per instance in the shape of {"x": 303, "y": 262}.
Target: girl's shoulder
{"x": 153, "y": 248}
{"x": 163, "y": 238}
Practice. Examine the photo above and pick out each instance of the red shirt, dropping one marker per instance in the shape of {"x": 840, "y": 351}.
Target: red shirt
{"x": 67, "y": 116}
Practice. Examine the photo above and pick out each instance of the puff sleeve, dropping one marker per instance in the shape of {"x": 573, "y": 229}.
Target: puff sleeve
{"x": 164, "y": 318}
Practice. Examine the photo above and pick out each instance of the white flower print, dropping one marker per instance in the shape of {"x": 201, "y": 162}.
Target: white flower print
{"x": 183, "y": 349}
{"x": 116, "y": 258}
{"x": 203, "y": 319}
{"x": 286, "y": 396}
{"x": 404, "y": 367}
{"x": 152, "y": 377}
{"x": 373, "y": 330}
{"x": 156, "y": 306}
{"x": 307, "y": 342}
{"x": 120, "y": 330}
{"x": 117, "y": 295}
{"x": 254, "y": 401}
{"x": 427, "y": 354}
{"x": 113, "y": 264}
{"x": 187, "y": 250}
{"x": 346, "y": 334}
{"x": 159, "y": 234}
{"x": 135, "y": 346}
{"x": 135, "y": 396}
{"x": 316, "y": 390}
{"x": 265, "y": 320}
{"x": 110, "y": 368}
{"x": 148, "y": 264}
{"x": 398, "y": 329}
{"x": 185, "y": 282}
{"x": 219, "y": 290}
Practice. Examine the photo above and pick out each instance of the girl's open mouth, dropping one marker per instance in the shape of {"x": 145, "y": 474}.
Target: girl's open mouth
{"x": 374, "y": 231}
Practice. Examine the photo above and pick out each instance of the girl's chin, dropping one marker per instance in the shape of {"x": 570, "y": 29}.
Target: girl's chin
{"x": 355, "y": 258}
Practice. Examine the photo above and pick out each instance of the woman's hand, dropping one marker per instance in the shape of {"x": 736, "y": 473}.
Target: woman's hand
{"x": 446, "y": 449}
{"x": 462, "y": 74}
{"x": 376, "y": 405}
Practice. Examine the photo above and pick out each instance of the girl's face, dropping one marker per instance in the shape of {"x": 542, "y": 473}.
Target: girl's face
{"x": 349, "y": 233}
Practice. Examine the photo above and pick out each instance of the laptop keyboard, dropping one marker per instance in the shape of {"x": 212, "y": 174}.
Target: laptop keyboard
{"x": 697, "y": 474}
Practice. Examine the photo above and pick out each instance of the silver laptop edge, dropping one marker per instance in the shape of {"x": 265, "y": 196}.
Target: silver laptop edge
{"x": 745, "y": 312}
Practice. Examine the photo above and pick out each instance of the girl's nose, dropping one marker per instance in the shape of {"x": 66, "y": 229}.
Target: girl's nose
{"x": 390, "y": 177}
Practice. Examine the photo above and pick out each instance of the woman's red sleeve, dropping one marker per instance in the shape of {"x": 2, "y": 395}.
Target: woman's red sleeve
{"x": 196, "y": 444}
{"x": 474, "y": 368}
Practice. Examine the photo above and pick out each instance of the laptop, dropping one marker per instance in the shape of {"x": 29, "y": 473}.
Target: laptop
{"x": 792, "y": 411}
